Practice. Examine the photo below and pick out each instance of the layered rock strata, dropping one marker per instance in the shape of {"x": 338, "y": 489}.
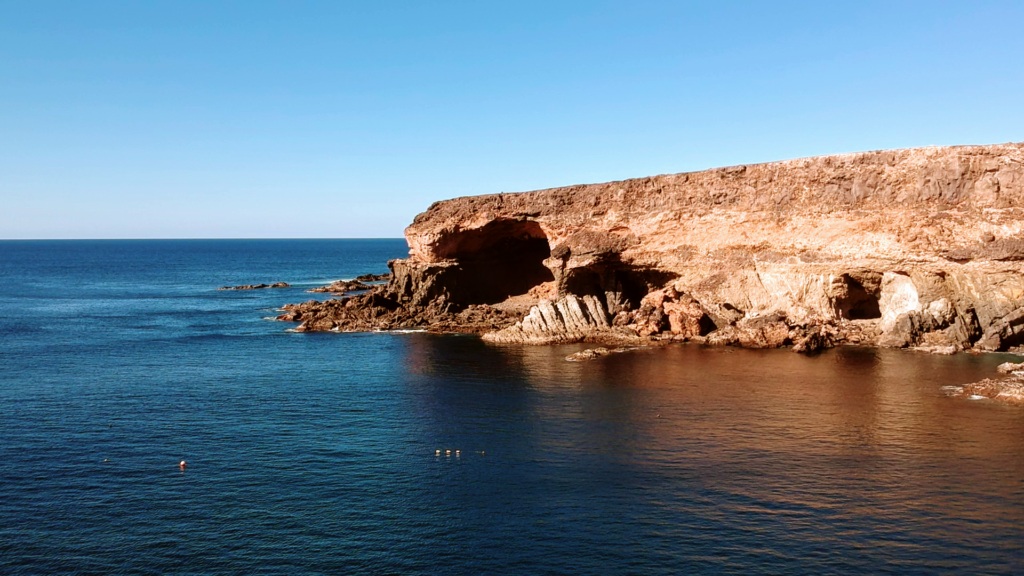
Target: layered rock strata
{"x": 907, "y": 248}
{"x": 569, "y": 319}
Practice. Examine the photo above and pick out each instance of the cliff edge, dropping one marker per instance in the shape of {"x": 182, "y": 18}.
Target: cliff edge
{"x": 920, "y": 247}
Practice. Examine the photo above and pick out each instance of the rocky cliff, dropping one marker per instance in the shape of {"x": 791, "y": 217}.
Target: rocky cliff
{"x": 918, "y": 247}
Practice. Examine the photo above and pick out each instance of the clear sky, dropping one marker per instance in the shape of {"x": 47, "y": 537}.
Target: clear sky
{"x": 345, "y": 119}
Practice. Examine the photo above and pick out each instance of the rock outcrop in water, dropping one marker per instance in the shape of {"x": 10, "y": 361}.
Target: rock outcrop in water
{"x": 908, "y": 248}
{"x": 1008, "y": 389}
{"x": 340, "y": 287}
{"x": 358, "y": 284}
{"x": 256, "y": 286}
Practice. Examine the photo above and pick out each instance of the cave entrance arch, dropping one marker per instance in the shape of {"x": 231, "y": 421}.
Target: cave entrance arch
{"x": 855, "y": 295}
{"x": 498, "y": 260}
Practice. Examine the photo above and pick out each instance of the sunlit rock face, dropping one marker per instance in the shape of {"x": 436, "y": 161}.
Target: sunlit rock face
{"x": 917, "y": 247}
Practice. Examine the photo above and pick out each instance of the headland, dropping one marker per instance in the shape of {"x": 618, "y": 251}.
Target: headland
{"x": 917, "y": 248}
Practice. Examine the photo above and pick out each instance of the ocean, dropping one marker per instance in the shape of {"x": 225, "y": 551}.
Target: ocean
{"x": 317, "y": 453}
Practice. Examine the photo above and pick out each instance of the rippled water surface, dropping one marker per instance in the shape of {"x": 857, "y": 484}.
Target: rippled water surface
{"x": 315, "y": 453}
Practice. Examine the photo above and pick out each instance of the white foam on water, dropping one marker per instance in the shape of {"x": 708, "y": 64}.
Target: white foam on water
{"x": 322, "y": 282}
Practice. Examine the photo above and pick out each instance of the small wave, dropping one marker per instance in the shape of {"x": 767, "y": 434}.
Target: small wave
{"x": 403, "y": 331}
{"x": 328, "y": 281}
{"x": 322, "y": 282}
{"x": 976, "y": 397}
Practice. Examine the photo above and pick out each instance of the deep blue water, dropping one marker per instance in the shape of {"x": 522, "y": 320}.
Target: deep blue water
{"x": 315, "y": 453}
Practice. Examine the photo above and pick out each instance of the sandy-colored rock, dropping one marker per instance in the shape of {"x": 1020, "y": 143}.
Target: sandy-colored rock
{"x": 588, "y": 354}
{"x": 1009, "y": 367}
{"x": 569, "y": 319}
{"x": 815, "y": 339}
{"x": 907, "y": 248}
{"x": 1007, "y": 390}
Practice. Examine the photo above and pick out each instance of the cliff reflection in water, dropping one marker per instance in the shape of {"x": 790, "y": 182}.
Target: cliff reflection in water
{"x": 716, "y": 457}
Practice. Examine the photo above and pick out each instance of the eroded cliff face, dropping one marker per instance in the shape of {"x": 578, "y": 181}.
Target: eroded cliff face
{"x": 918, "y": 247}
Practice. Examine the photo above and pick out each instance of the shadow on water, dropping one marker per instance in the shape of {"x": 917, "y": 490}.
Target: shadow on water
{"x": 713, "y": 458}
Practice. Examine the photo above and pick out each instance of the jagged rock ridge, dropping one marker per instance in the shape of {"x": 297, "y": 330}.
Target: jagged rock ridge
{"x": 569, "y": 319}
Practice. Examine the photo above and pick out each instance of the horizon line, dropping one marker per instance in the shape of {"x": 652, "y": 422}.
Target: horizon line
{"x": 198, "y": 238}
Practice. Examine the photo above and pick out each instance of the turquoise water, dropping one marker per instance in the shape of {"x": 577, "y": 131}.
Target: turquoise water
{"x": 315, "y": 453}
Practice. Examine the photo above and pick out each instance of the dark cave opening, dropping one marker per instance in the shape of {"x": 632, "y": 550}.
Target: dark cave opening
{"x": 855, "y": 296}
{"x": 638, "y": 282}
{"x": 1013, "y": 339}
{"x": 499, "y": 260}
{"x": 620, "y": 287}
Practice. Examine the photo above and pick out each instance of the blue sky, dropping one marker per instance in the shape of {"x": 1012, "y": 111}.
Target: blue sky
{"x": 336, "y": 119}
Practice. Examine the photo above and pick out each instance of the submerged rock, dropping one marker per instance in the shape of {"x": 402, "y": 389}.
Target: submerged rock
{"x": 256, "y": 286}
{"x": 593, "y": 353}
{"x": 340, "y": 287}
{"x": 1007, "y": 390}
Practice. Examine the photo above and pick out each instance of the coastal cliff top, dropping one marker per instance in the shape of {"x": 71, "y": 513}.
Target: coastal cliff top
{"x": 920, "y": 181}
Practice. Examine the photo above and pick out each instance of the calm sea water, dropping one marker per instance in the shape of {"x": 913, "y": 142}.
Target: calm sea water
{"x": 315, "y": 453}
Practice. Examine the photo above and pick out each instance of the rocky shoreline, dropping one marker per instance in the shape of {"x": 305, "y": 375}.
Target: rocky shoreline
{"x": 919, "y": 248}
{"x": 377, "y": 310}
{"x": 571, "y": 319}
{"x": 1008, "y": 389}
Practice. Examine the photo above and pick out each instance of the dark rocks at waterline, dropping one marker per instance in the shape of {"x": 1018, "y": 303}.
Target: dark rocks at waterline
{"x": 815, "y": 339}
{"x": 593, "y": 354}
{"x": 1009, "y": 390}
{"x": 256, "y": 286}
{"x": 373, "y": 277}
{"x": 359, "y": 283}
{"x": 378, "y": 310}
{"x": 340, "y": 287}
{"x": 434, "y": 297}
